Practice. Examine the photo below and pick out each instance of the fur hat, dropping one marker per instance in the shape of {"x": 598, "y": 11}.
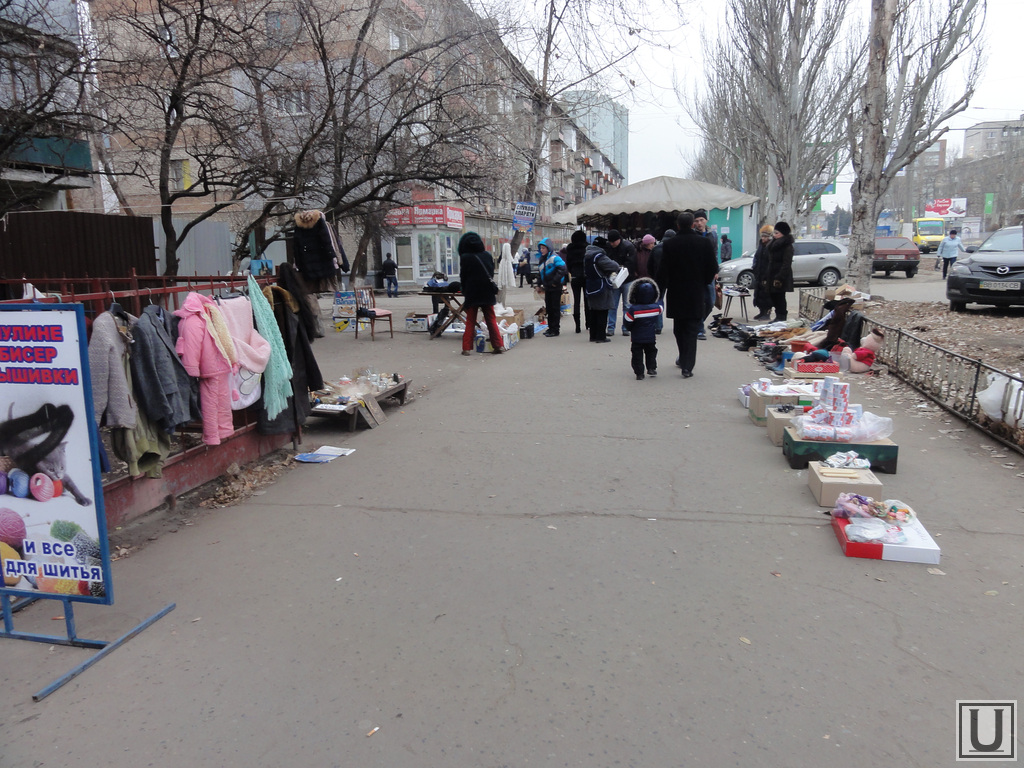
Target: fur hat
{"x": 306, "y": 219}
{"x": 613, "y": 235}
{"x": 783, "y": 227}
{"x": 767, "y": 229}
{"x": 579, "y": 237}
{"x": 649, "y": 241}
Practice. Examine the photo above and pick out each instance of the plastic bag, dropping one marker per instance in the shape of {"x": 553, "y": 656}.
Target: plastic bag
{"x": 875, "y": 531}
{"x": 1003, "y": 400}
{"x": 894, "y": 511}
{"x": 866, "y": 429}
{"x": 870, "y": 427}
{"x": 853, "y": 505}
{"x": 847, "y": 459}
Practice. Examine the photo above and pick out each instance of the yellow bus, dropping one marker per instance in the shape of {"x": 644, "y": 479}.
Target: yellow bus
{"x": 928, "y": 233}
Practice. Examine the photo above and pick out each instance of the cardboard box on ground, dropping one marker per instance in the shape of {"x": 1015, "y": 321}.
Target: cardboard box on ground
{"x": 827, "y": 483}
{"x": 777, "y": 421}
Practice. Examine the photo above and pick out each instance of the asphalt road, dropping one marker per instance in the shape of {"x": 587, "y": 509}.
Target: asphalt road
{"x": 539, "y": 561}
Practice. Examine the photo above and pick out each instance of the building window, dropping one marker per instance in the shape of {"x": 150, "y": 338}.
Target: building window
{"x": 180, "y": 176}
{"x": 294, "y": 102}
{"x": 282, "y": 27}
{"x": 170, "y": 41}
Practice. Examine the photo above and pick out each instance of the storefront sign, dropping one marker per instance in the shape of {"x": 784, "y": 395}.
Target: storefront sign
{"x": 524, "y": 216}
{"x": 426, "y": 216}
{"x": 53, "y": 532}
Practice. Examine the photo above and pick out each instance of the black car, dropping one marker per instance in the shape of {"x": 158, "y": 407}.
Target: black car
{"x": 992, "y": 274}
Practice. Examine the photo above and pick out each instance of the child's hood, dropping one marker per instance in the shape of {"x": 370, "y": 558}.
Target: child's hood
{"x": 643, "y": 291}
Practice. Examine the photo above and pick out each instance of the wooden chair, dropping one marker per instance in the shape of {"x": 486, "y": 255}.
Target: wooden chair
{"x": 365, "y": 301}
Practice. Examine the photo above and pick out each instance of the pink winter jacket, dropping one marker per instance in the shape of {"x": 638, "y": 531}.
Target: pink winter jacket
{"x": 204, "y": 346}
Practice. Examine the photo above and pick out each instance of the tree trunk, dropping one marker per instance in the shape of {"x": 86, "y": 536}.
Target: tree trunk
{"x": 170, "y": 241}
{"x": 359, "y": 261}
{"x": 869, "y": 156}
{"x": 536, "y": 158}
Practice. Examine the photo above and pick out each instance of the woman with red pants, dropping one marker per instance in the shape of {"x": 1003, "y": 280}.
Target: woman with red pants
{"x": 476, "y": 271}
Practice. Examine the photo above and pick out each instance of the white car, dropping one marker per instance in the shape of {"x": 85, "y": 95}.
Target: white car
{"x": 822, "y": 262}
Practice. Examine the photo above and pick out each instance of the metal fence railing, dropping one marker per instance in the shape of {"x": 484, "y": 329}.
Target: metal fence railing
{"x": 951, "y": 380}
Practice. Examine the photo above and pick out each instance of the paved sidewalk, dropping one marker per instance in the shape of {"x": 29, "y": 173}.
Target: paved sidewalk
{"x": 540, "y": 561}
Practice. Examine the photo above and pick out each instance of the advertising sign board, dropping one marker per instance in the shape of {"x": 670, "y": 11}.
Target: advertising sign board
{"x": 524, "y": 216}
{"x": 947, "y": 207}
{"x": 53, "y": 532}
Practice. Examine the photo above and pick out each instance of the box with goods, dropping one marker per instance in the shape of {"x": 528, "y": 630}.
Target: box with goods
{"x": 827, "y": 479}
{"x": 882, "y": 530}
{"x": 778, "y": 417}
{"x": 767, "y": 392}
{"x": 834, "y": 424}
{"x": 417, "y": 322}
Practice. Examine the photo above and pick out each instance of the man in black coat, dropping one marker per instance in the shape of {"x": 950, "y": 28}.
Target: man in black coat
{"x": 623, "y": 253}
{"x": 687, "y": 266}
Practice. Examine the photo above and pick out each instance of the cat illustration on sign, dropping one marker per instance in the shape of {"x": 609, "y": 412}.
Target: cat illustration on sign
{"x": 35, "y": 443}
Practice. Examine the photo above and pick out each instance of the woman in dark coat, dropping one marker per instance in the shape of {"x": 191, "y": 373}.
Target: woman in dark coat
{"x": 762, "y": 300}
{"x": 597, "y": 268}
{"x": 476, "y": 271}
{"x": 575, "y": 252}
{"x": 780, "y": 268}
{"x": 318, "y": 254}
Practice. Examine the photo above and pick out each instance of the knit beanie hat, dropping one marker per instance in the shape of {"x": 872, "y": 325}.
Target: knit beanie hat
{"x": 783, "y": 227}
{"x": 649, "y": 240}
{"x": 613, "y": 235}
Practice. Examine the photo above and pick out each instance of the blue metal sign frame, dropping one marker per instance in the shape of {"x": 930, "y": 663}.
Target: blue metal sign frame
{"x": 38, "y": 363}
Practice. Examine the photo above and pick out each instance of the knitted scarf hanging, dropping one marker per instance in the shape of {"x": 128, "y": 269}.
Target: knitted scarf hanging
{"x": 277, "y": 378}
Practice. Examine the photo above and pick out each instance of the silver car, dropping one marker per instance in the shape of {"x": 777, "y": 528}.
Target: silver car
{"x": 814, "y": 261}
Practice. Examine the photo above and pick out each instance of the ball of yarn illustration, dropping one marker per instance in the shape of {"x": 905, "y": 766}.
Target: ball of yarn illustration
{"x": 41, "y": 486}
{"x": 18, "y": 482}
{"x": 12, "y": 528}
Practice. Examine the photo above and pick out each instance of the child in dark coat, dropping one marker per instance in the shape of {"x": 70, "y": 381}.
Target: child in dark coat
{"x": 643, "y": 309}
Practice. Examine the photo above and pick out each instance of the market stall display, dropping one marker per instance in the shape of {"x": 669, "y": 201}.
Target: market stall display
{"x": 358, "y": 398}
{"x": 882, "y": 530}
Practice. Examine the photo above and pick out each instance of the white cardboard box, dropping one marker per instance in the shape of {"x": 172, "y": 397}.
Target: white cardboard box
{"x": 920, "y": 546}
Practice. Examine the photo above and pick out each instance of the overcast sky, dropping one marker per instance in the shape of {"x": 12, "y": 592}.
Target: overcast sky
{"x": 662, "y": 136}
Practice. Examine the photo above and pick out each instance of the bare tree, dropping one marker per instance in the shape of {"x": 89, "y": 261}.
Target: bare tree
{"x": 43, "y": 108}
{"x": 560, "y": 53}
{"x": 776, "y": 86}
{"x": 903, "y": 106}
{"x": 171, "y": 76}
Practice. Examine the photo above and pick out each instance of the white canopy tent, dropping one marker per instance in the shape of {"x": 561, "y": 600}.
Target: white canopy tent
{"x": 662, "y": 194}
